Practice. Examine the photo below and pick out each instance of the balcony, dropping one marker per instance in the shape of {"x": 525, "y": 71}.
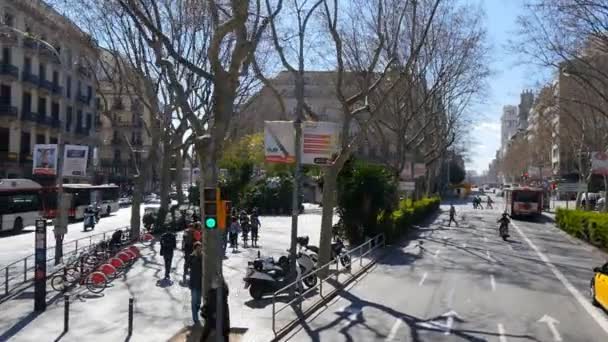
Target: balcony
{"x": 42, "y": 119}
{"x": 29, "y": 78}
{"x": 10, "y": 70}
{"x": 8, "y": 38}
{"x": 6, "y": 110}
{"x": 46, "y": 86}
{"x": 136, "y": 142}
{"x": 56, "y": 89}
{"x": 7, "y": 156}
{"x": 81, "y": 131}
{"x": 30, "y": 43}
{"x": 83, "y": 99}
{"x": 54, "y": 122}
{"x": 29, "y": 116}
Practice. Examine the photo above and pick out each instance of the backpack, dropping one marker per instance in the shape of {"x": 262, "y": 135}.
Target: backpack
{"x": 196, "y": 235}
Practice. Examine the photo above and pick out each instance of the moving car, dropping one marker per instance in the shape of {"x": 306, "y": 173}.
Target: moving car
{"x": 599, "y": 286}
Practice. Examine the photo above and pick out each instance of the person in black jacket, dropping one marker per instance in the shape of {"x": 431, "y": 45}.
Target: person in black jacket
{"x": 167, "y": 246}
{"x": 209, "y": 313}
{"x": 196, "y": 273}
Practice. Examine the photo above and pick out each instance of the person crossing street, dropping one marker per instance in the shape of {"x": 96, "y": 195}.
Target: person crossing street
{"x": 452, "y": 216}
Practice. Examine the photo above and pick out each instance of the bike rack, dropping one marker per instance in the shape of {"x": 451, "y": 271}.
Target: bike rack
{"x": 373, "y": 244}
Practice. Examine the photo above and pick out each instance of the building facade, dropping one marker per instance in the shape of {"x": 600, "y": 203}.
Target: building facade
{"x": 47, "y": 90}
{"x": 526, "y": 101}
{"x": 509, "y": 122}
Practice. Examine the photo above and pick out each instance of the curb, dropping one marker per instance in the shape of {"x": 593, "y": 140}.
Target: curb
{"x": 324, "y": 300}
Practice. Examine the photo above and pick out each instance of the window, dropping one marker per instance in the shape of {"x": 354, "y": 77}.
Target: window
{"x": 23, "y": 202}
{"x": 116, "y": 154}
{"x": 42, "y": 106}
{"x": 89, "y": 121}
{"x": 42, "y": 71}
{"x": 40, "y": 139}
{"x": 68, "y": 87}
{"x": 26, "y": 146}
{"x": 89, "y": 92}
{"x": 6, "y": 55}
{"x": 53, "y": 140}
{"x": 79, "y": 119}
{"x": 4, "y": 139}
{"x": 26, "y": 105}
{"x": 78, "y": 87}
{"x": 5, "y": 95}
{"x": 27, "y": 65}
{"x": 68, "y": 57}
{"x": 68, "y": 119}
{"x": 55, "y": 78}
{"x": 9, "y": 19}
{"x": 55, "y": 111}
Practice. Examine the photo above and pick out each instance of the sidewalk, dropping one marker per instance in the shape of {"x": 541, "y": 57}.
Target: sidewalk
{"x": 160, "y": 311}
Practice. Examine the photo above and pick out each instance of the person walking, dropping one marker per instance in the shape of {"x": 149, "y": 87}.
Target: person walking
{"x": 195, "y": 283}
{"x": 245, "y": 229}
{"x": 188, "y": 248}
{"x": 209, "y": 313}
{"x": 167, "y": 246}
{"x": 234, "y": 230}
{"x": 255, "y": 227}
{"x": 452, "y": 216}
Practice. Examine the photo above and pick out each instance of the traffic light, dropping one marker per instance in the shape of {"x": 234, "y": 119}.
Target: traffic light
{"x": 211, "y": 198}
{"x": 224, "y": 212}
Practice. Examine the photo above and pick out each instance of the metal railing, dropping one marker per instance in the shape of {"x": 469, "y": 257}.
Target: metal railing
{"x": 358, "y": 252}
{"x": 19, "y": 273}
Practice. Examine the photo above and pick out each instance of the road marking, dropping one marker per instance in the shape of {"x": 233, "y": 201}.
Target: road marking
{"x": 437, "y": 252}
{"x": 551, "y": 323}
{"x": 464, "y": 245}
{"x": 423, "y": 278}
{"x": 501, "y": 333}
{"x": 485, "y": 239}
{"x": 492, "y": 282}
{"x": 489, "y": 257}
{"x": 593, "y": 312}
{"x": 393, "y": 333}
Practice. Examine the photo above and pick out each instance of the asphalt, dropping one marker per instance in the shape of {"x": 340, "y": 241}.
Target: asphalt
{"x": 466, "y": 284}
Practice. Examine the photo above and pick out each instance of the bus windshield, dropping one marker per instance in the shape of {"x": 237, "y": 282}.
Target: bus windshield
{"x": 525, "y": 196}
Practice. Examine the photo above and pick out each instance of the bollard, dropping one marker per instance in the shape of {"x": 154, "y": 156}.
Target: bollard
{"x": 66, "y": 313}
{"x": 130, "y": 316}
{"x": 24, "y": 270}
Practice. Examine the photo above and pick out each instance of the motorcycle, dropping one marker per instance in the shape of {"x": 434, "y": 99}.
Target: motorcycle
{"x": 89, "y": 221}
{"x": 265, "y": 275}
{"x": 338, "y": 249}
{"x": 503, "y": 231}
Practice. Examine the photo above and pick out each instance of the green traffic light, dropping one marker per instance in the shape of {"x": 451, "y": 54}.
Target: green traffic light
{"x": 210, "y": 223}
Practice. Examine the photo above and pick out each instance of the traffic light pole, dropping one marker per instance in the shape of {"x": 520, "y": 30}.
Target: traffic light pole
{"x": 295, "y": 199}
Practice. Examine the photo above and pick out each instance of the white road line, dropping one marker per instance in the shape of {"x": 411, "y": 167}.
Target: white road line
{"x": 393, "y": 333}
{"x": 437, "y": 252}
{"x": 485, "y": 239}
{"x": 501, "y": 333}
{"x": 493, "y": 282}
{"x": 423, "y": 278}
{"x": 489, "y": 257}
{"x": 464, "y": 245}
{"x": 599, "y": 318}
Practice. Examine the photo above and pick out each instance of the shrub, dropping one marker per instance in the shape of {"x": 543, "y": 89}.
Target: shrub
{"x": 395, "y": 224}
{"x": 272, "y": 195}
{"x": 588, "y": 226}
{"x": 364, "y": 190}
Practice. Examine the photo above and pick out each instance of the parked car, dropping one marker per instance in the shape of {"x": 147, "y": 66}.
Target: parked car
{"x": 599, "y": 286}
{"x": 124, "y": 202}
{"x": 593, "y": 197}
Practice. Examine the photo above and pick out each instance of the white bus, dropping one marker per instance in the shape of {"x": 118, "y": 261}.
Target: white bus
{"x": 20, "y": 204}
{"x": 105, "y": 196}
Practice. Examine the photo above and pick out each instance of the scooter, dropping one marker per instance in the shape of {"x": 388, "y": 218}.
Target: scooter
{"x": 503, "y": 231}
{"x": 89, "y": 221}
{"x": 265, "y": 276}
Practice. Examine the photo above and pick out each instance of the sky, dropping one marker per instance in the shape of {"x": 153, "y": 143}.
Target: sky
{"x": 508, "y": 80}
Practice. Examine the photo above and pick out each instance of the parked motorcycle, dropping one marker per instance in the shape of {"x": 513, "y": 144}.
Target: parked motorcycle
{"x": 338, "y": 249}
{"x": 265, "y": 275}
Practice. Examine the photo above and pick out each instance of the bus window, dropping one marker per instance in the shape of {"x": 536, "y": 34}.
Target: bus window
{"x": 110, "y": 194}
{"x": 525, "y": 196}
{"x": 81, "y": 198}
{"x": 24, "y": 202}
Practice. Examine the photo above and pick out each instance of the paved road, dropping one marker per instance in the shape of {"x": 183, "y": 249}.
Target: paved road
{"x": 466, "y": 284}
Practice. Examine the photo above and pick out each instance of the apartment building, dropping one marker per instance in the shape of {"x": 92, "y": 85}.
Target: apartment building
{"x": 47, "y": 91}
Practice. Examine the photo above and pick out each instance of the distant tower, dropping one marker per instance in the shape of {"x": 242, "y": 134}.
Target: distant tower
{"x": 526, "y": 101}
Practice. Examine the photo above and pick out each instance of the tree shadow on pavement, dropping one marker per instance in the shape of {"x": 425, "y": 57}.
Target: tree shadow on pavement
{"x": 22, "y": 323}
{"x": 415, "y": 324}
{"x": 284, "y": 298}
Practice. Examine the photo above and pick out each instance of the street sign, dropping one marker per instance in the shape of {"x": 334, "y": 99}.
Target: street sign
{"x": 407, "y": 186}
{"x": 571, "y": 187}
{"x": 40, "y": 266}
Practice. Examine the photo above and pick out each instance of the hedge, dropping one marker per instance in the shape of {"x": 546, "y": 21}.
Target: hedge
{"x": 396, "y": 223}
{"x": 588, "y": 226}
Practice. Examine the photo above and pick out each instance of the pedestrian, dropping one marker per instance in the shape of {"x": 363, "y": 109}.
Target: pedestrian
{"x": 489, "y": 205}
{"x": 188, "y": 248}
{"x": 255, "y": 227}
{"x": 167, "y": 246}
{"x": 479, "y": 206}
{"x": 196, "y": 281}
{"x": 209, "y": 313}
{"x": 245, "y": 229}
{"x": 452, "y": 216}
{"x": 234, "y": 234}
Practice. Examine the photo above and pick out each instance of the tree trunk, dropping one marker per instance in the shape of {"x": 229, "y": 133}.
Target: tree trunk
{"x": 179, "y": 176}
{"x": 165, "y": 182}
{"x": 330, "y": 185}
{"x": 605, "y": 208}
{"x": 136, "y": 204}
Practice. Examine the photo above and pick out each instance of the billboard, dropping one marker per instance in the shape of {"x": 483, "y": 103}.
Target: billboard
{"x": 320, "y": 141}
{"x": 75, "y": 160}
{"x": 279, "y": 142}
{"x": 45, "y": 159}
{"x": 599, "y": 163}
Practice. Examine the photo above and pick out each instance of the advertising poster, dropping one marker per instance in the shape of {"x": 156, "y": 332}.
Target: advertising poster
{"x": 45, "y": 159}
{"x": 279, "y": 142}
{"x": 75, "y": 160}
{"x": 599, "y": 163}
{"x": 320, "y": 141}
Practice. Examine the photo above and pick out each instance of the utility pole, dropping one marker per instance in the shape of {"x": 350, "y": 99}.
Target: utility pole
{"x": 60, "y": 225}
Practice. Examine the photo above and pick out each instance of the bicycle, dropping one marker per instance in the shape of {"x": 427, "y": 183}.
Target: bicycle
{"x": 94, "y": 281}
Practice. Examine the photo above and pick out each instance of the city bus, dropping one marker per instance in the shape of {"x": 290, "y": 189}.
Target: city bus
{"x": 104, "y": 196}
{"x": 524, "y": 201}
{"x": 19, "y": 204}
